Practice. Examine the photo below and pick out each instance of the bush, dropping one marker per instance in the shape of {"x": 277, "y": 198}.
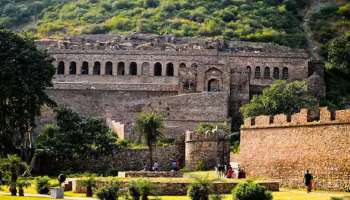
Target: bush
{"x": 89, "y": 183}
{"x": 43, "y": 184}
{"x": 200, "y": 189}
{"x": 250, "y": 191}
{"x": 109, "y": 192}
{"x": 141, "y": 187}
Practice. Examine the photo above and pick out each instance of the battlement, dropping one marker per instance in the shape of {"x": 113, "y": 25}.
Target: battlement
{"x": 192, "y": 136}
{"x": 304, "y": 118}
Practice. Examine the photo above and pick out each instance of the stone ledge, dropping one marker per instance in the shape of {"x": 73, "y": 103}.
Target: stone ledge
{"x": 150, "y": 174}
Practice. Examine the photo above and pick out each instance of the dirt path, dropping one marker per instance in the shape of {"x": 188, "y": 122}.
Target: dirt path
{"x": 313, "y": 45}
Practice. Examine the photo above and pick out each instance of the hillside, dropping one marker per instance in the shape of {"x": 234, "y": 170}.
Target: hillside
{"x": 263, "y": 21}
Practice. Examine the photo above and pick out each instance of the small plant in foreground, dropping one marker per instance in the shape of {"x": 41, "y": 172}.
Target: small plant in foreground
{"x": 250, "y": 190}
{"x": 200, "y": 188}
{"x": 141, "y": 188}
{"x": 89, "y": 183}
{"x": 43, "y": 184}
{"x": 21, "y": 184}
{"x": 109, "y": 192}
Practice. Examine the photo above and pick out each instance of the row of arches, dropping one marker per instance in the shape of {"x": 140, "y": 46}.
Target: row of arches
{"x": 120, "y": 70}
{"x": 267, "y": 73}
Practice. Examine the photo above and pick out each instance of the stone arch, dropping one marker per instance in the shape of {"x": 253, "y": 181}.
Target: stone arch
{"x": 145, "y": 68}
{"x": 276, "y": 73}
{"x": 257, "y": 72}
{"x": 285, "y": 73}
{"x": 73, "y": 68}
{"x": 267, "y": 74}
{"x": 170, "y": 69}
{"x": 249, "y": 70}
{"x": 188, "y": 78}
{"x": 121, "y": 69}
{"x": 109, "y": 68}
{"x": 60, "y": 68}
{"x": 213, "y": 85}
{"x": 85, "y": 68}
{"x": 157, "y": 69}
{"x": 213, "y": 78}
{"x": 133, "y": 69}
{"x": 97, "y": 68}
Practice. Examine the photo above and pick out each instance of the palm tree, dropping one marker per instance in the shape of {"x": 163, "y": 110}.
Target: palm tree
{"x": 149, "y": 126}
{"x": 13, "y": 166}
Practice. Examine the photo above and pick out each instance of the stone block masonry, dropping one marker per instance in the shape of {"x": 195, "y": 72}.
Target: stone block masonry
{"x": 283, "y": 149}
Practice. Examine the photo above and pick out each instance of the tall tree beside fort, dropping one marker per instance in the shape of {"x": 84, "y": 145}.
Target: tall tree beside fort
{"x": 280, "y": 97}
{"x": 149, "y": 126}
{"x": 25, "y": 72}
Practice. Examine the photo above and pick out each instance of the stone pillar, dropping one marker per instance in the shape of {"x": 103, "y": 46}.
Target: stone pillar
{"x": 139, "y": 69}
{"x": 79, "y": 64}
{"x": 115, "y": 68}
{"x": 127, "y": 68}
{"x": 163, "y": 69}
{"x": 103, "y": 68}
{"x": 91, "y": 68}
{"x": 66, "y": 68}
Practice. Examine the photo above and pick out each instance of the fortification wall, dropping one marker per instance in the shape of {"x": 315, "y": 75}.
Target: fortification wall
{"x": 121, "y": 106}
{"x": 282, "y": 148}
{"x": 184, "y": 112}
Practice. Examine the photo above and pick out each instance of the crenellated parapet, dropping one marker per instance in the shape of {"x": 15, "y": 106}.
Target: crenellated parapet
{"x": 303, "y": 118}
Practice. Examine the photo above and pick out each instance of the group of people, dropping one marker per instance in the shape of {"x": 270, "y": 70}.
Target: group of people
{"x": 228, "y": 172}
{"x": 175, "y": 166}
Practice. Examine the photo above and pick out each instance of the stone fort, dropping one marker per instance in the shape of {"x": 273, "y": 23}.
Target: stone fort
{"x": 187, "y": 80}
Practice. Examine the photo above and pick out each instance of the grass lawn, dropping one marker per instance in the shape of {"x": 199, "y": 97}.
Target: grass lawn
{"x": 283, "y": 195}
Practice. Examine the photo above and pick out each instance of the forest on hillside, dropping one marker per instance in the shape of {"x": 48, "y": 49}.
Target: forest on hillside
{"x": 259, "y": 20}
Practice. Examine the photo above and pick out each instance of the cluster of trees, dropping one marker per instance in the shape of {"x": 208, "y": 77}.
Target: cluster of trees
{"x": 331, "y": 28}
{"x": 258, "y": 20}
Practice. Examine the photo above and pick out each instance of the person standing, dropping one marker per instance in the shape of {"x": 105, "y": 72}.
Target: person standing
{"x": 308, "y": 181}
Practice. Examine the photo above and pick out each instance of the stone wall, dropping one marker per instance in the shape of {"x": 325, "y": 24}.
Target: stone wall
{"x": 282, "y": 148}
{"x": 123, "y": 160}
{"x": 206, "y": 149}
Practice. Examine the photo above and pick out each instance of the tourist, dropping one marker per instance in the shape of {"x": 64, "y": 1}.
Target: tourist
{"x": 155, "y": 166}
{"x": 241, "y": 173}
{"x": 229, "y": 172}
{"x": 220, "y": 169}
{"x": 308, "y": 181}
{"x": 174, "y": 165}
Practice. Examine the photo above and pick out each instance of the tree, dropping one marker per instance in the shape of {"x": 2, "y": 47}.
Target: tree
{"x": 280, "y": 97}
{"x": 339, "y": 54}
{"x": 76, "y": 137}
{"x": 13, "y": 167}
{"x": 149, "y": 126}
{"x": 25, "y": 73}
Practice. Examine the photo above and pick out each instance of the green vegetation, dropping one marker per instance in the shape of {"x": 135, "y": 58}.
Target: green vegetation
{"x": 141, "y": 188}
{"x": 203, "y": 128}
{"x": 250, "y": 191}
{"x": 200, "y": 188}
{"x": 280, "y": 97}
{"x": 25, "y": 74}
{"x": 108, "y": 192}
{"x": 89, "y": 183}
{"x": 258, "y": 20}
{"x": 76, "y": 137}
{"x": 149, "y": 126}
{"x": 42, "y": 185}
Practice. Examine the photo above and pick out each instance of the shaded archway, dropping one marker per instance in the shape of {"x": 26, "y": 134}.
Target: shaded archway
{"x": 276, "y": 73}
{"x": 133, "y": 69}
{"x": 85, "y": 68}
{"x": 267, "y": 74}
{"x": 97, "y": 68}
{"x": 170, "y": 69}
{"x": 285, "y": 74}
{"x": 121, "y": 69}
{"x": 109, "y": 68}
{"x": 73, "y": 68}
{"x": 257, "y": 72}
{"x": 213, "y": 85}
{"x": 157, "y": 69}
{"x": 60, "y": 68}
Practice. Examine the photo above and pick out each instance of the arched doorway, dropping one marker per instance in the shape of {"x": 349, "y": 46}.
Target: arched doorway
{"x": 213, "y": 85}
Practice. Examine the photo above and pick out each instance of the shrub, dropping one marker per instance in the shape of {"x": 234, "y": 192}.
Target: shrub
{"x": 89, "y": 183}
{"x": 199, "y": 189}
{"x": 141, "y": 187}
{"x": 109, "y": 192}
{"x": 21, "y": 184}
{"x": 250, "y": 191}
{"x": 43, "y": 184}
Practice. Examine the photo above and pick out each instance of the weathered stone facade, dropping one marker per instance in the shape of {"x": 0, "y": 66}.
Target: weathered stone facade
{"x": 116, "y": 77}
{"x": 282, "y": 148}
